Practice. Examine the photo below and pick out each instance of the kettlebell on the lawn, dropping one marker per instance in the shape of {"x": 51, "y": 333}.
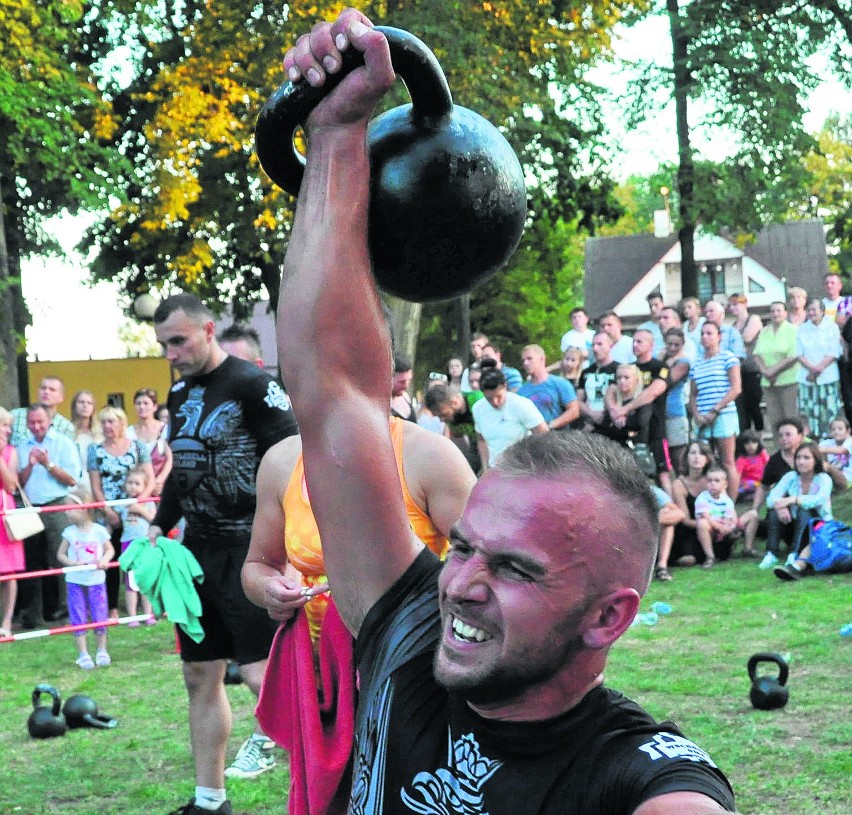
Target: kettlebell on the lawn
{"x": 45, "y": 721}
{"x": 768, "y": 693}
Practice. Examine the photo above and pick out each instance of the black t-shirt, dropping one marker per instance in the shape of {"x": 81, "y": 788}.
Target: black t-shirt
{"x": 776, "y": 468}
{"x": 220, "y": 425}
{"x": 651, "y": 370}
{"x": 421, "y": 749}
{"x": 594, "y": 381}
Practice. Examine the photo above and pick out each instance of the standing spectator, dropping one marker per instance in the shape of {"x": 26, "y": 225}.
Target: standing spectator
{"x": 242, "y": 341}
{"x": 622, "y": 345}
{"x": 677, "y": 420}
{"x": 690, "y": 308}
{"x": 152, "y": 434}
{"x": 729, "y": 338}
{"x": 514, "y": 380}
{"x": 748, "y": 402}
{"x": 627, "y": 387}
{"x": 655, "y": 305}
{"x": 835, "y": 306}
{"x": 455, "y": 369}
{"x": 49, "y": 466}
{"x": 402, "y": 404}
{"x": 596, "y": 380}
{"x": 477, "y": 343}
{"x": 776, "y": 358}
{"x": 11, "y": 551}
{"x": 571, "y": 366}
{"x": 87, "y": 430}
{"x": 797, "y": 300}
{"x": 85, "y": 542}
{"x": 502, "y": 417}
{"x": 669, "y": 318}
{"x": 108, "y": 465}
{"x": 579, "y": 335}
{"x": 818, "y": 349}
{"x": 474, "y": 374}
{"x": 554, "y": 396}
{"x": 51, "y": 393}
{"x": 716, "y": 385}
{"x": 454, "y": 409}
{"x": 655, "y": 377}
{"x": 225, "y": 414}
{"x": 800, "y": 496}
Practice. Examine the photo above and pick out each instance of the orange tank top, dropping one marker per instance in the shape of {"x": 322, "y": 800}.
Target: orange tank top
{"x": 301, "y": 535}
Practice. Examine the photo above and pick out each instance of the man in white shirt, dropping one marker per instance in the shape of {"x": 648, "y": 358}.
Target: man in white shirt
{"x": 502, "y": 417}
{"x": 622, "y": 345}
{"x": 580, "y": 336}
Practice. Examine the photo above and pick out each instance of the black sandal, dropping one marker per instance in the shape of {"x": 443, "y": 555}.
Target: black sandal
{"x": 662, "y": 573}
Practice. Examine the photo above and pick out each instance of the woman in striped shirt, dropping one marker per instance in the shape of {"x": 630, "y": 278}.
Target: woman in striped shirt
{"x": 716, "y": 385}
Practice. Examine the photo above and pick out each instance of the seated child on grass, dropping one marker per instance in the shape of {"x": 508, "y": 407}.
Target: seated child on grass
{"x": 718, "y": 524}
{"x": 750, "y": 463}
{"x": 838, "y": 449}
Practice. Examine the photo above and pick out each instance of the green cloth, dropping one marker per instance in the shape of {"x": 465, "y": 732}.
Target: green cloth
{"x": 773, "y": 346}
{"x": 166, "y": 573}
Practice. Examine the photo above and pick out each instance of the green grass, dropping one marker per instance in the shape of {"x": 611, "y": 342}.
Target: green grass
{"x": 690, "y": 667}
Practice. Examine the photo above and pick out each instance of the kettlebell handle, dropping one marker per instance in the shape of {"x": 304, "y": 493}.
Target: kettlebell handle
{"x": 783, "y": 669}
{"x": 291, "y": 104}
{"x": 50, "y": 691}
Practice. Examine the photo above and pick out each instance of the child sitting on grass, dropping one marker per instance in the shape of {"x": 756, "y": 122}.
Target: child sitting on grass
{"x": 750, "y": 462}
{"x": 84, "y": 541}
{"x": 136, "y": 518}
{"x": 718, "y": 524}
{"x": 838, "y": 449}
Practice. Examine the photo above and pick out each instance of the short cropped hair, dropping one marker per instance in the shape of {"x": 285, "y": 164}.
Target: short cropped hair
{"x": 189, "y": 304}
{"x": 436, "y": 396}
{"x": 240, "y": 331}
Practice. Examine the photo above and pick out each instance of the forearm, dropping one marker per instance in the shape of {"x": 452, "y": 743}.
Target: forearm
{"x": 571, "y": 413}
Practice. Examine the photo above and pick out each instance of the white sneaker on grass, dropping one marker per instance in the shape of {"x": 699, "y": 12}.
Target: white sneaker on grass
{"x": 252, "y": 759}
{"x": 769, "y": 560}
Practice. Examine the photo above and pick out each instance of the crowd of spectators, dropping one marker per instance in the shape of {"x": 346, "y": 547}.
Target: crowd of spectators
{"x": 695, "y": 391}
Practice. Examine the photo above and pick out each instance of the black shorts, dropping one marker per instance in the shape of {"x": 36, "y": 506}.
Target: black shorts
{"x": 659, "y": 448}
{"x": 234, "y": 628}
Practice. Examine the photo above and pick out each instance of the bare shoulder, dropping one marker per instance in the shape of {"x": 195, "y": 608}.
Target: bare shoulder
{"x": 427, "y": 452}
{"x": 278, "y": 462}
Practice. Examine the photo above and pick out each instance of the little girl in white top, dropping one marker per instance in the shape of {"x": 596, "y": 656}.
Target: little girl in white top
{"x": 136, "y": 518}
{"x": 84, "y": 541}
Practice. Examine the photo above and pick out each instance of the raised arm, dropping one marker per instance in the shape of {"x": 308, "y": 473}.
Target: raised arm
{"x": 333, "y": 341}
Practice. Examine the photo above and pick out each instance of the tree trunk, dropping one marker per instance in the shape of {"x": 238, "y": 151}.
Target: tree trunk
{"x": 405, "y": 324}
{"x": 686, "y": 168}
{"x": 461, "y": 312}
{"x": 9, "y": 396}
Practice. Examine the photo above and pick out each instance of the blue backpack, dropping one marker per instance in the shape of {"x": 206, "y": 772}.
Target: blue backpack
{"x": 831, "y": 546}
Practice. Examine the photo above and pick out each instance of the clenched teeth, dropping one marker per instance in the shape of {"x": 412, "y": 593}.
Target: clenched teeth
{"x": 468, "y": 633}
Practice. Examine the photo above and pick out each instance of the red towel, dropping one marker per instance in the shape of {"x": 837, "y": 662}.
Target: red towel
{"x": 319, "y": 736}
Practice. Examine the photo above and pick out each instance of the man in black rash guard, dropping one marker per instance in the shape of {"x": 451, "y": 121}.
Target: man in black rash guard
{"x": 225, "y": 413}
{"x": 481, "y": 682}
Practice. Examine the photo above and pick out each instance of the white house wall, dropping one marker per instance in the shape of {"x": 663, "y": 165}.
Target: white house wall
{"x": 707, "y": 248}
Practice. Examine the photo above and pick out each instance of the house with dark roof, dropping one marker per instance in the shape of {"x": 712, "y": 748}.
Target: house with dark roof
{"x": 620, "y": 272}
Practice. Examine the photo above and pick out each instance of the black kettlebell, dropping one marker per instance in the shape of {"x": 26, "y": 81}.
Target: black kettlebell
{"x": 447, "y": 194}
{"x": 46, "y": 722}
{"x": 768, "y": 693}
{"x": 82, "y": 711}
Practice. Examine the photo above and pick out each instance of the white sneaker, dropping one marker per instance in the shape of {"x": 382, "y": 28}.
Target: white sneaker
{"x": 252, "y": 759}
{"x": 791, "y": 559}
{"x": 769, "y": 560}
